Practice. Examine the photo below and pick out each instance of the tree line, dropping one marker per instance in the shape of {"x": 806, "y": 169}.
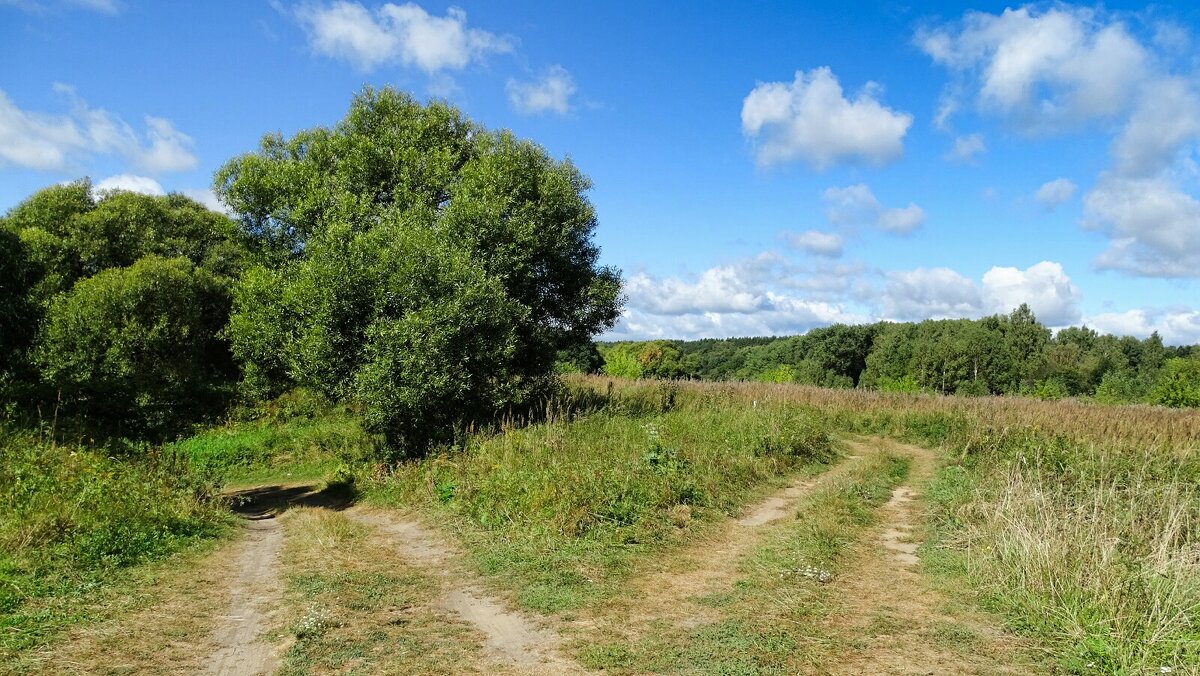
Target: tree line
{"x": 997, "y": 355}
{"x": 407, "y": 261}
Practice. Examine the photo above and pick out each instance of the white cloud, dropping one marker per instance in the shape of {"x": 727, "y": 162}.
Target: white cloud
{"x": 936, "y": 293}
{"x": 404, "y": 34}
{"x": 208, "y": 198}
{"x": 1166, "y": 118}
{"x": 966, "y": 148}
{"x": 1044, "y": 286}
{"x": 1176, "y": 326}
{"x": 50, "y": 142}
{"x": 738, "y": 299}
{"x": 810, "y": 119}
{"x": 816, "y": 242}
{"x": 857, "y": 205}
{"x": 169, "y": 148}
{"x": 726, "y": 288}
{"x": 1054, "y": 193}
{"x": 129, "y": 183}
{"x": 1043, "y": 70}
{"x": 942, "y": 293}
{"x": 1153, "y": 227}
{"x": 551, "y": 93}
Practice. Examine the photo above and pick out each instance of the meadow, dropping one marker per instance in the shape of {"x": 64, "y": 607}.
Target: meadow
{"x": 1071, "y": 528}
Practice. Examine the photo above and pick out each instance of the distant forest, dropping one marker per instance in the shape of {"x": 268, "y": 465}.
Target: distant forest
{"x": 1001, "y": 354}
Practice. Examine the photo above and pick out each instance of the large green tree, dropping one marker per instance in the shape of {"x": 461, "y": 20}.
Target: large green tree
{"x": 422, "y": 265}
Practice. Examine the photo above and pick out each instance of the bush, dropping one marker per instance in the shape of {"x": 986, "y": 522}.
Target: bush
{"x": 139, "y": 348}
{"x": 1179, "y": 384}
{"x": 1121, "y": 387}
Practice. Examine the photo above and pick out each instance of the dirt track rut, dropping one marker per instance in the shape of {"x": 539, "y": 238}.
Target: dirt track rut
{"x": 669, "y": 593}
{"x": 892, "y": 621}
{"x": 511, "y": 640}
{"x": 242, "y": 648}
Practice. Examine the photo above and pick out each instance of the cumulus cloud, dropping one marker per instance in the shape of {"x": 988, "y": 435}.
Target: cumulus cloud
{"x": 966, "y": 148}
{"x": 811, "y": 119}
{"x": 1153, "y": 227}
{"x": 818, "y": 243}
{"x": 129, "y": 183}
{"x": 857, "y": 205}
{"x": 1044, "y": 286}
{"x": 1055, "y": 68}
{"x": 1054, "y": 193}
{"x": 404, "y": 34}
{"x": 754, "y": 296}
{"x": 942, "y": 293}
{"x": 48, "y": 142}
{"x": 1044, "y": 70}
{"x": 551, "y": 93}
{"x": 934, "y": 293}
{"x": 1166, "y": 119}
{"x": 1176, "y": 326}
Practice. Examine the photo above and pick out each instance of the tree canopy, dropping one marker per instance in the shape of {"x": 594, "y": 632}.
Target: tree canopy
{"x": 115, "y": 305}
{"x": 420, "y": 265}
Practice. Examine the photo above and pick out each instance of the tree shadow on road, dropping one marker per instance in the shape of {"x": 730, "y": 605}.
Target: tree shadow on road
{"x": 266, "y": 502}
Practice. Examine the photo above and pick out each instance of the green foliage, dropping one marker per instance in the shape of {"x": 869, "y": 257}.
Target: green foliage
{"x": 299, "y": 446}
{"x": 621, "y": 361}
{"x": 428, "y": 269}
{"x": 906, "y": 384}
{"x": 1179, "y": 384}
{"x": 70, "y": 236}
{"x": 784, "y": 373}
{"x": 972, "y": 388}
{"x": 1050, "y": 389}
{"x": 1121, "y": 387}
{"x": 582, "y": 358}
{"x": 139, "y": 348}
{"x": 539, "y": 504}
{"x": 89, "y": 283}
{"x": 18, "y": 315}
{"x": 73, "y": 515}
{"x": 1002, "y": 354}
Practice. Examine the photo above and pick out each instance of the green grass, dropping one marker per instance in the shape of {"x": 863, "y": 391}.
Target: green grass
{"x": 1027, "y": 511}
{"x": 559, "y": 511}
{"x": 354, "y": 608}
{"x": 769, "y": 619}
{"x": 1078, "y": 524}
{"x": 75, "y": 521}
{"x": 276, "y": 447}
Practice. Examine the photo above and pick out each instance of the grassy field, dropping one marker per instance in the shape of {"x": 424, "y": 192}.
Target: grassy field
{"x": 1079, "y": 523}
{"x": 1072, "y": 529}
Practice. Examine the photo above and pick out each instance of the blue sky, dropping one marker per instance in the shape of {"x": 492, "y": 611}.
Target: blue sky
{"x": 759, "y": 168}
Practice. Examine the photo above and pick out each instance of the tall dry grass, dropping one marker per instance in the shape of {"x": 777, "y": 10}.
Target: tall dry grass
{"x": 1080, "y": 522}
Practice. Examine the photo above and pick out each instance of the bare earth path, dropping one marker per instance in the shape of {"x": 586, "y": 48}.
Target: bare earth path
{"x": 242, "y": 649}
{"x": 670, "y": 592}
{"x": 891, "y": 619}
{"x": 513, "y": 642}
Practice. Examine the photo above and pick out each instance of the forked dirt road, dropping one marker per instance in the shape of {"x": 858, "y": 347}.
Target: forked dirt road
{"x": 885, "y": 617}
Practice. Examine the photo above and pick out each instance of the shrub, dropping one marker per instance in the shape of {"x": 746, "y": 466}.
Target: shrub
{"x": 1179, "y": 384}
{"x": 139, "y": 348}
